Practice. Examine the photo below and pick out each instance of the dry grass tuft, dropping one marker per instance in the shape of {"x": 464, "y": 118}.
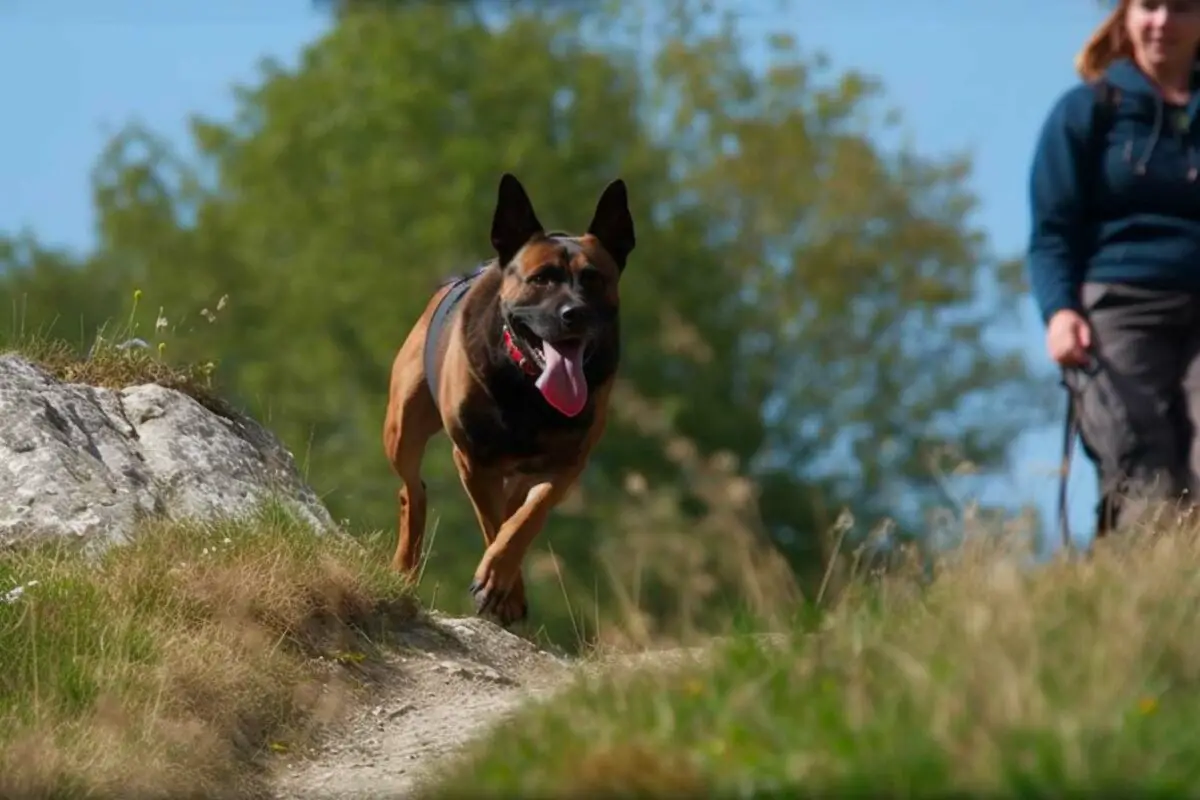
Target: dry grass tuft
{"x": 673, "y": 588}
{"x": 119, "y": 357}
{"x": 176, "y": 665}
{"x": 633, "y": 769}
{"x": 109, "y": 366}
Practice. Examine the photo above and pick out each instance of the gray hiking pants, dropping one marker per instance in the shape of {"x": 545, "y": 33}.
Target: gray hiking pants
{"x": 1138, "y": 404}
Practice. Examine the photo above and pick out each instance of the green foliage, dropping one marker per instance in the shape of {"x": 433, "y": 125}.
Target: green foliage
{"x": 802, "y": 298}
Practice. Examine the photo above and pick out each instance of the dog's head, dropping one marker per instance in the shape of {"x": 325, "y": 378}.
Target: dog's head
{"x": 559, "y": 295}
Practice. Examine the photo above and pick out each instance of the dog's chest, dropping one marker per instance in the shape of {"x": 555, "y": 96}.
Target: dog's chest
{"x": 525, "y": 437}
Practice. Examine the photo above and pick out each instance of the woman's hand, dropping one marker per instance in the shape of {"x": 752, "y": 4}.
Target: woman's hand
{"x": 1068, "y": 338}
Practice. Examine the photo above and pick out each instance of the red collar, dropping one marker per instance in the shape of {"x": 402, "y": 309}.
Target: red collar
{"x": 518, "y": 356}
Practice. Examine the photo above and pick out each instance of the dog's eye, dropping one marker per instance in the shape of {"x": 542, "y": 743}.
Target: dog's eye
{"x": 547, "y": 275}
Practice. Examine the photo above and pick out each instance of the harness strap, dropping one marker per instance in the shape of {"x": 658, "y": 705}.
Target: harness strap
{"x": 437, "y": 325}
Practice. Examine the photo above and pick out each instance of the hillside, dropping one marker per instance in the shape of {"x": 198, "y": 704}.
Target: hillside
{"x": 275, "y": 655}
{"x": 994, "y": 677}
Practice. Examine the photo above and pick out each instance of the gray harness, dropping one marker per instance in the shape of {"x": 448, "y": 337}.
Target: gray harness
{"x": 441, "y": 315}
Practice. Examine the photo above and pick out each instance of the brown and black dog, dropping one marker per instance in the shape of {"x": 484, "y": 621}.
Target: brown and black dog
{"x": 515, "y": 362}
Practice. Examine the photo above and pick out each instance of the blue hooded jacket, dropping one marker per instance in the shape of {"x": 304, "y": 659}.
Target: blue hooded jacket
{"x": 1123, "y": 207}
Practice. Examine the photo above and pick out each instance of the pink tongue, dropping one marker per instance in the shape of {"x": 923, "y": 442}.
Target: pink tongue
{"x": 562, "y": 382}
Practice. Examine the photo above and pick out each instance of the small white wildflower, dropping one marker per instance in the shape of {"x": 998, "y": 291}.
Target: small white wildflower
{"x": 15, "y": 594}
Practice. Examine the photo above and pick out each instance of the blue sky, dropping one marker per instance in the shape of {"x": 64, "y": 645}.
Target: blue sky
{"x": 968, "y": 74}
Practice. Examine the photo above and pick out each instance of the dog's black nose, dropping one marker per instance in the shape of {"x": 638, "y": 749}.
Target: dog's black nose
{"x": 572, "y": 314}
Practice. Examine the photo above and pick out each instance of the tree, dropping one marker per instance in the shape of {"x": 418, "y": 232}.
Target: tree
{"x": 801, "y": 298}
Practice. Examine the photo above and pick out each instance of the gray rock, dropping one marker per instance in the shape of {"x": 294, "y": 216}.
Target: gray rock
{"x": 79, "y": 461}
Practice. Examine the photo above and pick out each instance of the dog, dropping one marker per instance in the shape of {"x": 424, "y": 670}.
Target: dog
{"x": 515, "y": 362}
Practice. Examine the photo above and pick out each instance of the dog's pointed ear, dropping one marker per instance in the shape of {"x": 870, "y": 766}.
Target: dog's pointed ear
{"x": 612, "y": 223}
{"x": 514, "y": 222}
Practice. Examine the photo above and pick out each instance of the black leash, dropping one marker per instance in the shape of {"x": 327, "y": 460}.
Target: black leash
{"x": 1070, "y": 430}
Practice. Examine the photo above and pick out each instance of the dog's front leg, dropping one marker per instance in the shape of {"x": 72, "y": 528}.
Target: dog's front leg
{"x": 487, "y": 492}
{"x": 499, "y": 572}
{"x": 500, "y": 569}
{"x": 485, "y": 488}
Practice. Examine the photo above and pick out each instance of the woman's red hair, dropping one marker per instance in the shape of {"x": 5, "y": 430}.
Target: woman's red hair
{"x": 1109, "y": 42}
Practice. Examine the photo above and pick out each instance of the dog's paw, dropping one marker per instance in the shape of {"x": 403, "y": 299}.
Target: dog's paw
{"x": 506, "y": 607}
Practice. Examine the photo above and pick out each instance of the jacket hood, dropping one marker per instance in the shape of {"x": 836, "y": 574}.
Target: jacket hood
{"x": 1125, "y": 74}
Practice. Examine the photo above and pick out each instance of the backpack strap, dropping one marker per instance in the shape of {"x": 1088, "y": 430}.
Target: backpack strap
{"x": 1105, "y": 99}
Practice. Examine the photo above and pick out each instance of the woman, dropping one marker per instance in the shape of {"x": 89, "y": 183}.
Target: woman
{"x": 1114, "y": 253}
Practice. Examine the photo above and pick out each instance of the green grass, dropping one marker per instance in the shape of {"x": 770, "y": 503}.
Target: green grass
{"x": 173, "y": 666}
{"x": 1075, "y": 677}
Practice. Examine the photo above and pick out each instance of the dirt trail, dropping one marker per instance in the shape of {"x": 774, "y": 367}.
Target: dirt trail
{"x": 458, "y": 677}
